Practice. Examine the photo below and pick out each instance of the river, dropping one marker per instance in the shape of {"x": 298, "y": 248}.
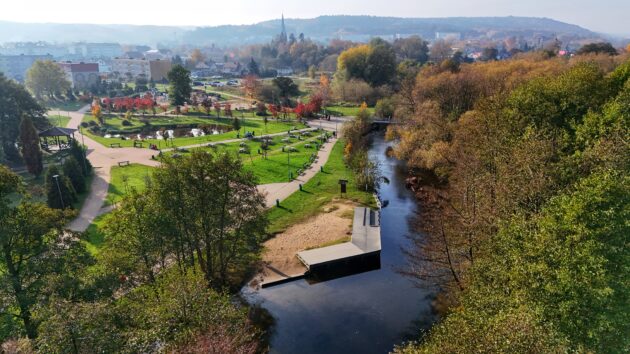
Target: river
{"x": 362, "y": 313}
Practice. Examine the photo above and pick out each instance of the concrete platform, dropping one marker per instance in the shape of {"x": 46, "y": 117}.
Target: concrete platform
{"x": 366, "y": 241}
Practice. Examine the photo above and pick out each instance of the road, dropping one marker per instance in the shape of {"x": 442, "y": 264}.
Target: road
{"x": 104, "y": 158}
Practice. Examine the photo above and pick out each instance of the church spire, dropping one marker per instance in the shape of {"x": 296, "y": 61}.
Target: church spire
{"x": 283, "y": 33}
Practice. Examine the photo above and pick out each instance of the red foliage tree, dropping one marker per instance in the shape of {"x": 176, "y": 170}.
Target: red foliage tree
{"x": 228, "y": 110}
{"x": 274, "y": 110}
{"x": 300, "y": 110}
{"x": 107, "y": 103}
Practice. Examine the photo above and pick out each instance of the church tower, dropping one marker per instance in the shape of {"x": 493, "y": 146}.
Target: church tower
{"x": 283, "y": 34}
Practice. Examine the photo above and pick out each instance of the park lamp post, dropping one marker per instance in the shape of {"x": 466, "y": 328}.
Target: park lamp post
{"x": 83, "y": 149}
{"x": 289, "y": 162}
{"x": 56, "y": 177}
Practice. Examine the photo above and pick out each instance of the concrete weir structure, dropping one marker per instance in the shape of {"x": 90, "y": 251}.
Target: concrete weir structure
{"x": 365, "y": 242}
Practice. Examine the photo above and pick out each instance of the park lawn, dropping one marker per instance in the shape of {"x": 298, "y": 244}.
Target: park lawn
{"x": 126, "y": 178}
{"x": 252, "y": 125}
{"x": 58, "y": 121}
{"x": 343, "y": 111}
{"x": 317, "y": 192}
{"x": 94, "y": 237}
{"x": 274, "y": 169}
{"x": 70, "y": 106}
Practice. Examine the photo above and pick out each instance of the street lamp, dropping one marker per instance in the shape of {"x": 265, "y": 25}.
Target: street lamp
{"x": 84, "y": 151}
{"x": 56, "y": 177}
{"x": 289, "y": 162}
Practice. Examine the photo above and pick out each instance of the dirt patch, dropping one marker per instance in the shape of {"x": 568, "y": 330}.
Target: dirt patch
{"x": 279, "y": 257}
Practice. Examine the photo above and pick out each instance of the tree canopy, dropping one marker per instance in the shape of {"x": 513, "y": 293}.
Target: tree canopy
{"x": 180, "y": 85}
{"x": 15, "y": 102}
{"x": 46, "y": 79}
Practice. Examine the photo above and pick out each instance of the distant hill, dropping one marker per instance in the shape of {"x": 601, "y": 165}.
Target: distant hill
{"x": 321, "y": 28}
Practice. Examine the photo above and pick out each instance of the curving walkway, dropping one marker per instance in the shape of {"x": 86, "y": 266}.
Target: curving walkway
{"x": 104, "y": 158}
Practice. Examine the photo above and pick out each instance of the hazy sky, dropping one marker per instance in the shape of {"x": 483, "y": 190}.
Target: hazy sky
{"x": 610, "y": 16}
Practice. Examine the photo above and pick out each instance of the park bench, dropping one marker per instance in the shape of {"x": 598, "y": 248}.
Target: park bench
{"x": 307, "y": 146}
{"x": 137, "y": 144}
{"x": 123, "y": 163}
{"x": 113, "y": 145}
{"x": 293, "y": 149}
{"x": 242, "y": 151}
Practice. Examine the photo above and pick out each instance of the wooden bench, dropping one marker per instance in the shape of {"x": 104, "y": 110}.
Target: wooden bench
{"x": 112, "y": 145}
{"x": 123, "y": 163}
{"x": 137, "y": 144}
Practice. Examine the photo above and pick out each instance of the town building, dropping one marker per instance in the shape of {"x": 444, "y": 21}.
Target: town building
{"x": 448, "y": 36}
{"x": 96, "y": 50}
{"x": 34, "y": 48}
{"x": 16, "y": 66}
{"x": 155, "y": 70}
{"x": 158, "y": 69}
{"x": 81, "y": 75}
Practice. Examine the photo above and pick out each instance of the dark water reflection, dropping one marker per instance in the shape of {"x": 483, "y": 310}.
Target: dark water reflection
{"x": 368, "y": 312}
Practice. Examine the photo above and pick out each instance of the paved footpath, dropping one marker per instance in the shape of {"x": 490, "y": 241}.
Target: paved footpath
{"x": 281, "y": 191}
{"x": 104, "y": 158}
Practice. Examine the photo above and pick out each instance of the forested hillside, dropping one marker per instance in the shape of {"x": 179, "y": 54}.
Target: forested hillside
{"x": 522, "y": 168}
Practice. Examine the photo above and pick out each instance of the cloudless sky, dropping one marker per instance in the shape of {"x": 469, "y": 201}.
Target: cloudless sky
{"x": 609, "y": 16}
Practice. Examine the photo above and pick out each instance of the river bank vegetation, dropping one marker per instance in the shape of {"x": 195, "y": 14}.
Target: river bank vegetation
{"x": 161, "y": 277}
{"x": 522, "y": 168}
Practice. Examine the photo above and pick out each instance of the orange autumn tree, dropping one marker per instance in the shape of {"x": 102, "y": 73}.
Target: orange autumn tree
{"x": 97, "y": 113}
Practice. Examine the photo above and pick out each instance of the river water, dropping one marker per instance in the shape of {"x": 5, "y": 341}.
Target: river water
{"x": 368, "y": 312}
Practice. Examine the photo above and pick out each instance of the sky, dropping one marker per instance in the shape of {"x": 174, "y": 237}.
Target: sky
{"x": 606, "y": 16}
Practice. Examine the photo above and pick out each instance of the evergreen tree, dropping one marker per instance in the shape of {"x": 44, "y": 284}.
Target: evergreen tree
{"x": 30, "y": 146}
{"x": 236, "y": 124}
{"x": 15, "y": 101}
{"x": 253, "y": 67}
{"x": 180, "y": 88}
{"x": 59, "y": 191}
{"x": 72, "y": 170}
{"x": 78, "y": 152}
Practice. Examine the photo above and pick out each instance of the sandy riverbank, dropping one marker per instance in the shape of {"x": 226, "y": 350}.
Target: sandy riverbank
{"x": 279, "y": 257}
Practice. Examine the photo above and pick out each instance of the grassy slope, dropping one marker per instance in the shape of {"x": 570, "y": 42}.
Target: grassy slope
{"x": 65, "y": 105}
{"x": 135, "y": 175}
{"x": 94, "y": 237}
{"x": 346, "y": 111}
{"x": 318, "y": 192}
{"x": 59, "y": 121}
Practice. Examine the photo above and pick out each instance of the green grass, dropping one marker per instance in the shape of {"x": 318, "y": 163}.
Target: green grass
{"x": 94, "y": 237}
{"x": 59, "y": 121}
{"x": 274, "y": 168}
{"x": 253, "y": 125}
{"x": 346, "y": 111}
{"x": 65, "y": 105}
{"x": 318, "y": 192}
{"x": 124, "y": 179}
